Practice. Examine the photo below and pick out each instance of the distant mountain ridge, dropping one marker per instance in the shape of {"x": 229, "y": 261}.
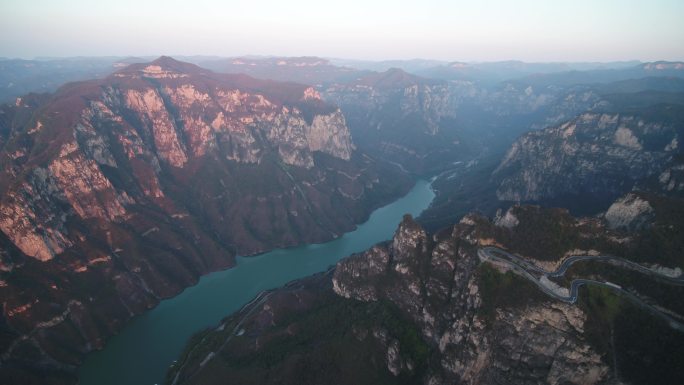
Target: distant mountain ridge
{"x": 306, "y": 70}
{"x": 19, "y": 76}
{"x": 493, "y": 72}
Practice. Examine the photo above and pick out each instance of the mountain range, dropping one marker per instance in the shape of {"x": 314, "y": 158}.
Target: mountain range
{"x": 120, "y": 191}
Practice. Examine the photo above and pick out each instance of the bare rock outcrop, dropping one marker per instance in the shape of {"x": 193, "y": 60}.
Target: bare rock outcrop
{"x": 596, "y": 154}
{"x": 435, "y": 283}
{"x": 630, "y": 212}
{"x": 121, "y": 191}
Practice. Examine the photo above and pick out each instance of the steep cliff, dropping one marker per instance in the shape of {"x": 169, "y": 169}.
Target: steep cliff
{"x": 427, "y": 309}
{"x": 592, "y": 159}
{"x": 439, "y": 282}
{"x": 118, "y": 192}
{"x": 427, "y": 124}
{"x": 404, "y": 118}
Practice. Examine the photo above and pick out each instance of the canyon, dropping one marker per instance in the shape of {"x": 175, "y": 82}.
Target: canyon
{"x": 426, "y": 308}
{"x": 117, "y": 193}
{"x": 120, "y": 192}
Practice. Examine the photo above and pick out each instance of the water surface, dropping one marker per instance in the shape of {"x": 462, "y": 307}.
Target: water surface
{"x": 143, "y": 351}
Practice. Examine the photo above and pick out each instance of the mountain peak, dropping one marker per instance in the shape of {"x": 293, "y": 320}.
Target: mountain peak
{"x": 161, "y": 67}
{"x": 165, "y": 61}
{"x": 168, "y": 63}
{"x": 394, "y": 77}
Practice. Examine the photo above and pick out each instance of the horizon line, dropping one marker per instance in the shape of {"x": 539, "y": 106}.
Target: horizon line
{"x": 269, "y": 56}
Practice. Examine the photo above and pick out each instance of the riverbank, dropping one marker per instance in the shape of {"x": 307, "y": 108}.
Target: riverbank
{"x": 143, "y": 351}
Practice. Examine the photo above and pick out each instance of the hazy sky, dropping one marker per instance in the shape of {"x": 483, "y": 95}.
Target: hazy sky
{"x": 531, "y": 30}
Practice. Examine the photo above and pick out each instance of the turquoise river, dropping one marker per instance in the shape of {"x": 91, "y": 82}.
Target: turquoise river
{"x": 148, "y": 345}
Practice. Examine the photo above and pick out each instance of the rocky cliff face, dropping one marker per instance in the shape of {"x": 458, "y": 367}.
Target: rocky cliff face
{"x": 596, "y": 155}
{"x": 435, "y": 280}
{"x": 118, "y": 192}
{"x": 402, "y": 117}
{"x": 425, "y": 308}
{"x": 425, "y": 124}
{"x": 434, "y": 286}
{"x": 671, "y": 179}
{"x": 428, "y": 99}
{"x": 629, "y": 213}
{"x": 186, "y": 120}
{"x": 543, "y": 105}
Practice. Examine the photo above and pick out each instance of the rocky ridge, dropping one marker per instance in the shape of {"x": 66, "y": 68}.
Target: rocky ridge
{"x": 435, "y": 284}
{"x": 306, "y": 70}
{"x": 425, "y": 308}
{"x": 597, "y": 155}
{"x": 410, "y": 94}
{"x": 425, "y": 124}
{"x": 140, "y": 182}
{"x": 404, "y": 118}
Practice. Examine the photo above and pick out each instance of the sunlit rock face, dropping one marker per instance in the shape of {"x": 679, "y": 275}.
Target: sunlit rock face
{"x": 630, "y": 212}
{"x": 188, "y": 117}
{"x": 140, "y": 182}
{"x": 197, "y": 118}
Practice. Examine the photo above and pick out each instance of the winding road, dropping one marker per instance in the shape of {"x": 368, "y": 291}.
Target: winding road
{"x": 247, "y": 310}
{"x": 539, "y": 277}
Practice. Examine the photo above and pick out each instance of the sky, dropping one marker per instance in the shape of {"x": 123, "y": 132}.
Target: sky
{"x": 453, "y": 30}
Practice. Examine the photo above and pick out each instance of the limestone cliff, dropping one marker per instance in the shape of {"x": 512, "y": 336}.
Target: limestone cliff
{"x": 435, "y": 281}
{"x": 629, "y": 213}
{"x": 427, "y": 309}
{"x": 121, "y": 191}
{"x": 418, "y": 309}
{"x": 427, "y": 124}
{"x": 404, "y": 118}
{"x": 596, "y": 155}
